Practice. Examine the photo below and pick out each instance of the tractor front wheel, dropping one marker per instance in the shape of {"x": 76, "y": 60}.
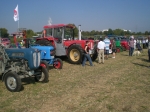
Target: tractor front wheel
{"x": 12, "y": 82}
{"x": 41, "y": 74}
{"x": 58, "y": 63}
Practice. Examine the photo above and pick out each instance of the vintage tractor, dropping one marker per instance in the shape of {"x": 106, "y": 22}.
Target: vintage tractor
{"x": 61, "y": 37}
{"x": 47, "y": 54}
{"x": 16, "y": 64}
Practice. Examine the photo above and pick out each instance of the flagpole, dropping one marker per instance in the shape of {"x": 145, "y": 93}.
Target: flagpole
{"x": 18, "y": 26}
{"x": 18, "y": 18}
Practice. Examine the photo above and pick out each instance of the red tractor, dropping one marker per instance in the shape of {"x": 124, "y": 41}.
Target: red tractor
{"x": 61, "y": 36}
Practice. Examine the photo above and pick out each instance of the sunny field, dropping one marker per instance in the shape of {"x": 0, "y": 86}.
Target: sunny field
{"x": 120, "y": 85}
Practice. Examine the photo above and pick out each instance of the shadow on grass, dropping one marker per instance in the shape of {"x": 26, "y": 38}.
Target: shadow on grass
{"x": 141, "y": 65}
{"x": 28, "y": 80}
{"x": 124, "y": 54}
{"x": 63, "y": 58}
{"x": 0, "y": 77}
{"x": 143, "y": 59}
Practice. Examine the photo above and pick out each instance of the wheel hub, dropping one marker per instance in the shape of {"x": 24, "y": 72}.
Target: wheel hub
{"x": 11, "y": 82}
{"x": 74, "y": 55}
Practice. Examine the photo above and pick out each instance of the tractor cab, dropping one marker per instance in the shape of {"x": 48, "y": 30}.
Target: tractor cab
{"x": 58, "y": 32}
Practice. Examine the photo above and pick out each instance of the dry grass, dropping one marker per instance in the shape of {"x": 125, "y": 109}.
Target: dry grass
{"x": 121, "y": 84}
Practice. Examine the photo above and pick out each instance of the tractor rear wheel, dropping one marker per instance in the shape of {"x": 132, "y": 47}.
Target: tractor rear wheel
{"x": 44, "y": 42}
{"x": 95, "y": 54}
{"x": 75, "y": 53}
{"x": 58, "y": 63}
{"x": 42, "y": 75}
{"x": 12, "y": 82}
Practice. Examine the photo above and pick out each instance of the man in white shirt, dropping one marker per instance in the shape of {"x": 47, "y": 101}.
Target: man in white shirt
{"x": 100, "y": 50}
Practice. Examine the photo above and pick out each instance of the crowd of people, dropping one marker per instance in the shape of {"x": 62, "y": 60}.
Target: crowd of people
{"x": 103, "y": 48}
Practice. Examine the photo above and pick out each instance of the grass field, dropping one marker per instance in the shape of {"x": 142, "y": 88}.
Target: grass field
{"x": 119, "y": 85}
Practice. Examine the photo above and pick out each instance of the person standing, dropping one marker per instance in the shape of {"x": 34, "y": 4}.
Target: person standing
{"x": 149, "y": 48}
{"x": 87, "y": 55}
{"x": 135, "y": 42}
{"x": 100, "y": 50}
{"x": 113, "y": 47}
{"x": 107, "y": 44}
{"x": 131, "y": 46}
{"x": 144, "y": 43}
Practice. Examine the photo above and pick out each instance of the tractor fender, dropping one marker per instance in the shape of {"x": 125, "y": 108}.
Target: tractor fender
{"x": 3, "y": 76}
{"x": 42, "y": 65}
{"x": 67, "y": 47}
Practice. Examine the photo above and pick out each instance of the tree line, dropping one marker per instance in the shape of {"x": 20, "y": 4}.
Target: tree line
{"x": 119, "y": 32}
{"x": 31, "y": 33}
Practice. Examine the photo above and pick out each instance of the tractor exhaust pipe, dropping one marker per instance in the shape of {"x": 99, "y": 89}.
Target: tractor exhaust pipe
{"x": 79, "y": 32}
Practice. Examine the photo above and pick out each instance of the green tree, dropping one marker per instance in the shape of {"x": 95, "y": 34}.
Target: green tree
{"x": 118, "y": 32}
{"x": 127, "y": 33}
{"x": 110, "y": 32}
{"x": 75, "y": 29}
{"x": 105, "y": 32}
{"x": 139, "y": 33}
{"x": 3, "y": 32}
{"x": 92, "y": 33}
{"x": 146, "y": 33}
{"x": 30, "y": 33}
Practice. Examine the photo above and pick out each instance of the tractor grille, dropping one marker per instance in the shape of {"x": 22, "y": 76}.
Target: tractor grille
{"x": 36, "y": 59}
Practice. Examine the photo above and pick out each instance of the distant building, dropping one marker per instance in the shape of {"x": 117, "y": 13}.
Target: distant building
{"x": 122, "y": 29}
{"x": 126, "y": 30}
{"x": 104, "y": 30}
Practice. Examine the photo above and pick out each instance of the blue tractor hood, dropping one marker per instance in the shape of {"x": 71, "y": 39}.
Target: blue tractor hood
{"x": 29, "y": 54}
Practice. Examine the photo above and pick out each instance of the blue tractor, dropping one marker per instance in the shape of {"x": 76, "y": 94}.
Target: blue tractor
{"x": 16, "y": 64}
{"x": 47, "y": 54}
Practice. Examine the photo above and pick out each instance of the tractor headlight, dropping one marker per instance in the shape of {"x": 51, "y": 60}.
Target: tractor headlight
{"x": 34, "y": 59}
{"x": 39, "y": 58}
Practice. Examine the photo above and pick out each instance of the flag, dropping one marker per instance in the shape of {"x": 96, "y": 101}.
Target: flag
{"x": 16, "y": 14}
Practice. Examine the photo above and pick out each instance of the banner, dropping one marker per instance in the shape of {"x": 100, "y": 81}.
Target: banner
{"x": 16, "y": 14}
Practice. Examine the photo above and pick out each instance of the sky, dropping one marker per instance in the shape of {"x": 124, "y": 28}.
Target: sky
{"x": 95, "y": 15}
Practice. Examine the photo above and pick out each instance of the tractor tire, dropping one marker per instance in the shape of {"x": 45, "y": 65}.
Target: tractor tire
{"x": 12, "y": 82}
{"x": 58, "y": 63}
{"x": 44, "y": 42}
{"x": 42, "y": 75}
{"x": 75, "y": 54}
{"x": 46, "y": 64}
{"x": 95, "y": 54}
